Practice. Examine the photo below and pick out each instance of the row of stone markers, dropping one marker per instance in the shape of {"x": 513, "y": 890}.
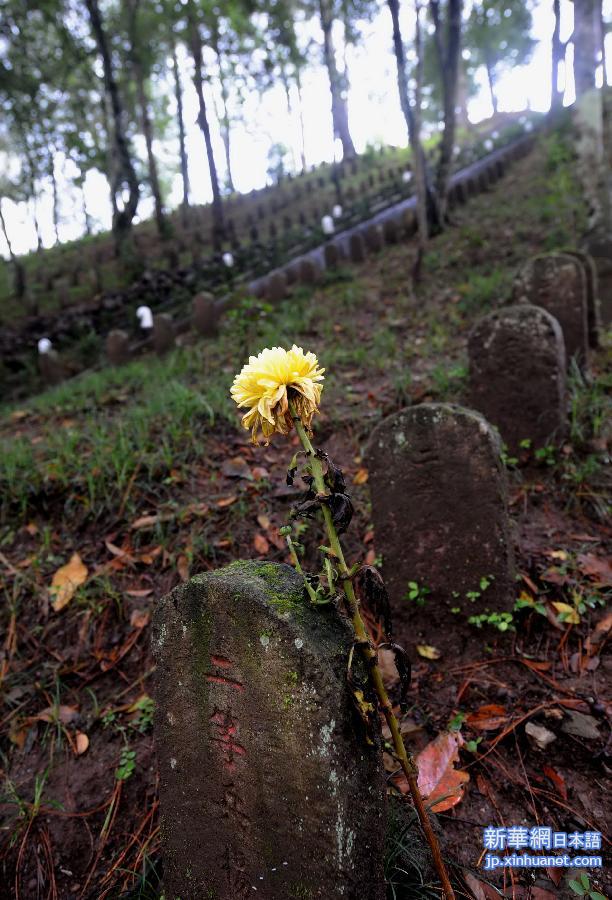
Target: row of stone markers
{"x": 268, "y": 782}
{"x": 438, "y": 484}
{"x": 160, "y": 331}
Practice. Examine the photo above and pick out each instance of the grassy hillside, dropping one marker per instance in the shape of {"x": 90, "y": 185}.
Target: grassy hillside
{"x": 262, "y": 227}
{"x": 145, "y": 472}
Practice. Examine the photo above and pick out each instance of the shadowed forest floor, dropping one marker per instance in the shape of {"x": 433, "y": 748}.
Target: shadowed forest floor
{"x": 145, "y": 473}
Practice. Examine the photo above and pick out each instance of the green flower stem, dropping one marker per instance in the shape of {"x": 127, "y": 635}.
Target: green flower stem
{"x": 296, "y": 562}
{"x": 409, "y": 766}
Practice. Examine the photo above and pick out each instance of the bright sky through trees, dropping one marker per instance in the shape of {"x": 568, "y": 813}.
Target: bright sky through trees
{"x": 374, "y": 113}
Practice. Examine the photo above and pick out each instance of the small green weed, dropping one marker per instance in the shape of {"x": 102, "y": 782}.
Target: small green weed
{"x": 417, "y": 593}
{"x": 581, "y": 886}
{"x": 502, "y": 621}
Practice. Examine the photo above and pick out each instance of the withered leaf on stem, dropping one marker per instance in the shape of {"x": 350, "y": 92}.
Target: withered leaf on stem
{"x": 373, "y": 592}
{"x": 341, "y": 509}
{"x": 306, "y": 508}
{"x": 404, "y": 670}
{"x": 334, "y": 477}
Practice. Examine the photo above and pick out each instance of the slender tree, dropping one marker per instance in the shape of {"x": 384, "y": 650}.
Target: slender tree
{"x": 195, "y": 46}
{"x": 126, "y": 173}
{"x": 412, "y": 115}
{"x": 498, "y": 34}
{"x": 557, "y": 57}
{"x": 19, "y": 274}
{"x": 337, "y": 83}
{"x": 140, "y": 29}
{"x": 178, "y": 94}
{"x": 587, "y": 44}
{"x": 448, "y": 46}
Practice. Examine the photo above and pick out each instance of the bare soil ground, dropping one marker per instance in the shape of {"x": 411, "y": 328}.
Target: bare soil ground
{"x": 79, "y": 806}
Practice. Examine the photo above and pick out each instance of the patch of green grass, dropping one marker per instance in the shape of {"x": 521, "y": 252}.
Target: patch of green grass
{"x": 481, "y": 293}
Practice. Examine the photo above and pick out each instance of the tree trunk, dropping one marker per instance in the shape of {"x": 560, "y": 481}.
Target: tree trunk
{"x": 145, "y": 118}
{"x": 449, "y": 67}
{"x": 111, "y": 162}
{"x": 557, "y": 55}
{"x": 290, "y": 111}
{"x": 339, "y": 104}
{"x": 491, "y": 83}
{"x": 122, "y": 220}
{"x": 198, "y": 81}
{"x": 18, "y": 270}
{"x": 31, "y": 178}
{"x": 55, "y": 206}
{"x": 178, "y": 93}
{"x": 426, "y": 201}
{"x": 586, "y": 45}
{"x": 86, "y": 215}
{"x": 601, "y": 25}
{"x": 298, "y": 82}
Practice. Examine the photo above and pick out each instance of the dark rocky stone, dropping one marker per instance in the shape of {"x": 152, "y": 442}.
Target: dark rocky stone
{"x": 517, "y": 374}
{"x": 276, "y": 287}
{"x": 308, "y": 271}
{"x": 51, "y": 368}
{"x": 409, "y": 222}
{"x": 164, "y": 336}
{"x": 439, "y": 507}
{"x": 390, "y": 231}
{"x": 268, "y": 787}
{"x": 600, "y": 248}
{"x": 292, "y": 273}
{"x": 592, "y": 295}
{"x": 557, "y": 283}
{"x": 373, "y": 238}
{"x": 205, "y": 315}
{"x": 331, "y": 254}
{"x": 117, "y": 347}
{"x": 357, "y": 251}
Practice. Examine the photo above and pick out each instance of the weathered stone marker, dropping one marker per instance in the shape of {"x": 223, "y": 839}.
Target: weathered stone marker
{"x": 164, "y": 336}
{"x": 276, "y": 287}
{"x": 557, "y": 283}
{"x": 373, "y": 238}
{"x": 600, "y": 249}
{"x": 51, "y": 367}
{"x": 592, "y": 295}
{"x": 357, "y": 251}
{"x": 309, "y": 271}
{"x": 331, "y": 255}
{"x": 117, "y": 347}
{"x": 439, "y": 506}
{"x": 268, "y": 786}
{"x": 517, "y": 374}
{"x": 205, "y": 315}
{"x": 390, "y": 231}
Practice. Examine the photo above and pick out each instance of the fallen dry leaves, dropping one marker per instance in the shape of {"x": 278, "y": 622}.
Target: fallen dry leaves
{"x": 487, "y": 718}
{"x": 428, "y": 652}
{"x": 260, "y": 543}
{"x": 438, "y": 778}
{"x": 81, "y": 743}
{"x": 66, "y": 581}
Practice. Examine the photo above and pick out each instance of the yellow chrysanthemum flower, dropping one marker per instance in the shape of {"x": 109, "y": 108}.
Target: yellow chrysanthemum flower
{"x": 269, "y": 381}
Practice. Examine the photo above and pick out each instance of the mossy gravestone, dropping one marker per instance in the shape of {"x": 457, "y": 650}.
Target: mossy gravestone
{"x": 164, "y": 335}
{"x": 557, "y": 283}
{"x": 439, "y": 507}
{"x": 117, "y": 347}
{"x": 600, "y": 248}
{"x": 592, "y": 295}
{"x": 517, "y": 374}
{"x": 276, "y": 287}
{"x": 269, "y": 787}
{"x": 205, "y": 314}
{"x": 357, "y": 250}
